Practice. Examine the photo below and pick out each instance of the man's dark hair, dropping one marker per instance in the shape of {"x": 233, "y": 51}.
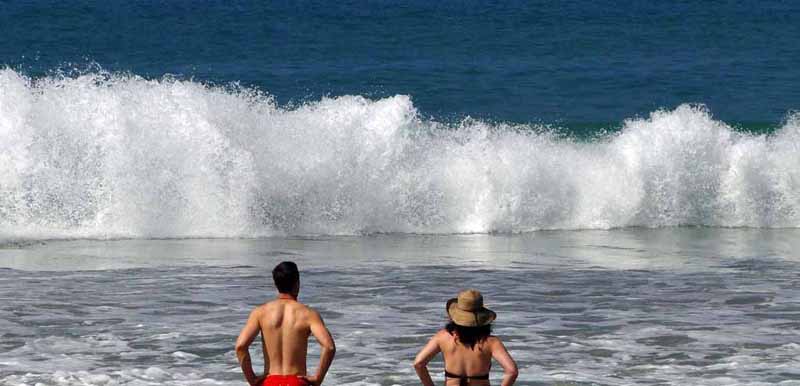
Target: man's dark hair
{"x": 469, "y": 336}
{"x": 286, "y": 276}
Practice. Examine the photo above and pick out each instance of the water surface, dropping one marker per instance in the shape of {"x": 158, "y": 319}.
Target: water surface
{"x": 671, "y": 306}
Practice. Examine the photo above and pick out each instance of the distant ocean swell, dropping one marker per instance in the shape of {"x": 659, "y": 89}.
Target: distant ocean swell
{"x": 104, "y": 155}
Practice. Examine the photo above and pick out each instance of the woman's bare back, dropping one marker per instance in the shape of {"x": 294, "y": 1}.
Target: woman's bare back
{"x": 460, "y": 359}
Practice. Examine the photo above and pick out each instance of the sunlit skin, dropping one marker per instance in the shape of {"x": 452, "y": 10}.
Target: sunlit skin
{"x": 285, "y": 325}
{"x": 460, "y": 359}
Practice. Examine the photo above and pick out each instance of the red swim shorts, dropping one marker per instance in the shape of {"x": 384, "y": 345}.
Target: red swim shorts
{"x": 284, "y": 380}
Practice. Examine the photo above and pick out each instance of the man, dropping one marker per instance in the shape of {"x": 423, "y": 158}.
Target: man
{"x": 285, "y": 325}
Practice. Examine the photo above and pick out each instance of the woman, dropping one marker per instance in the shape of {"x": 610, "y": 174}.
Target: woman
{"x": 467, "y": 344}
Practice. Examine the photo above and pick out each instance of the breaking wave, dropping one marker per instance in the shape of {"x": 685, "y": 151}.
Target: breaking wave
{"x": 108, "y": 155}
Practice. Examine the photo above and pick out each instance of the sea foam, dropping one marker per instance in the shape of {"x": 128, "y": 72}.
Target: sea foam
{"x": 111, "y": 155}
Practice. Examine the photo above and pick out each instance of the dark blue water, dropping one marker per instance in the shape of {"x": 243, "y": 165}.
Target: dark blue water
{"x": 570, "y": 62}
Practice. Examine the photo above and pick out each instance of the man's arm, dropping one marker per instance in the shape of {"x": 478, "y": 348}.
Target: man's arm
{"x": 425, "y": 355}
{"x": 249, "y": 332}
{"x": 327, "y": 347}
{"x": 501, "y": 355}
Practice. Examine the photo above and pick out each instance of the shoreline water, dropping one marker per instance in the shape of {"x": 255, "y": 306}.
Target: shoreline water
{"x": 664, "y": 306}
{"x": 631, "y": 246}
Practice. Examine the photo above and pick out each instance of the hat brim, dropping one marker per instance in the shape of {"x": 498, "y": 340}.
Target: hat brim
{"x": 481, "y": 317}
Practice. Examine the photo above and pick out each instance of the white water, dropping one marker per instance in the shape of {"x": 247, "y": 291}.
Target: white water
{"x": 674, "y": 306}
{"x": 103, "y": 155}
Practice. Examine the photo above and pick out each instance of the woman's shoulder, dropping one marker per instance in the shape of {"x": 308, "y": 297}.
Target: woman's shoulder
{"x": 493, "y": 340}
{"x": 442, "y": 334}
{"x": 443, "y": 338}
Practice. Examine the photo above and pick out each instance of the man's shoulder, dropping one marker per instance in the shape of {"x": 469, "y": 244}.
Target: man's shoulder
{"x": 258, "y": 310}
{"x": 295, "y": 307}
{"x": 295, "y": 311}
{"x": 307, "y": 310}
{"x": 266, "y": 308}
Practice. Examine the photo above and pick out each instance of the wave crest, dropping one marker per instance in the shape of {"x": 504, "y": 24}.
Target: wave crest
{"x": 106, "y": 155}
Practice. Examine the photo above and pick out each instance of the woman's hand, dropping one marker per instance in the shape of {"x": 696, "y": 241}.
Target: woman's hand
{"x": 501, "y": 355}
{"x": 425, "y": 355}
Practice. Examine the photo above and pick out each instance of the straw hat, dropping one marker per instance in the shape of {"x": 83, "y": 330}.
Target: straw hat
{"x": 467, "y": 309}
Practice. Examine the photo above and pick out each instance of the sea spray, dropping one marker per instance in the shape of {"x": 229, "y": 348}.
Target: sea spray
{"x": 107, "y": 155}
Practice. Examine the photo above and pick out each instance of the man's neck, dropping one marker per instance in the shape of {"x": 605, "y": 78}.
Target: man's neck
{"x": 286, "y": 296}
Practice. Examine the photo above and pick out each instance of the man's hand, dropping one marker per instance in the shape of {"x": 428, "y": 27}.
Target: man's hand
{"x": 249, "y": 332}
{"x": 313, "y": 380}
{"x": 259, "y": 380}
{"x": 327, "y": 348}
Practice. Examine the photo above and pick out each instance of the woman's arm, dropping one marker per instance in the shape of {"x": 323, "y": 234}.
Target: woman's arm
{"x": 421, "y": 361}
{"x": 501, "y": 355}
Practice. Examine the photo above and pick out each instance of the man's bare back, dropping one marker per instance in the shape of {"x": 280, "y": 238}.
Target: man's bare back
{"x": 285, "y": 325}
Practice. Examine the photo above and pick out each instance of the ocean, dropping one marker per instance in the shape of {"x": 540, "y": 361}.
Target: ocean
{"x": 621, "y": 180}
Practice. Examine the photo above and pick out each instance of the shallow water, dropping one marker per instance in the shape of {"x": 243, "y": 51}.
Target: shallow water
{"x": 669, "y": 306}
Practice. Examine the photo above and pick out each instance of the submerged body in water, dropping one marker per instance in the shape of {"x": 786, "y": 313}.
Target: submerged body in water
{"x": 467, "y": 345}
{"x": 285, "y": 325}
{"x": 678, "y": 306}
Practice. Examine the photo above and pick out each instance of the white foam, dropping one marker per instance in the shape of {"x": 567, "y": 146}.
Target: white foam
{"x": 104, "y": 156}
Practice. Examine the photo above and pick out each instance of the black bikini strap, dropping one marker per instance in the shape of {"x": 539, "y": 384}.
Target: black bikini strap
{"x": 464, "y": 379}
